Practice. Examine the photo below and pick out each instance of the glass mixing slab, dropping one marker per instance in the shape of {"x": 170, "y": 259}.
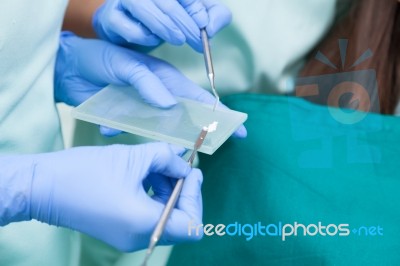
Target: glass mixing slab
{"x": 122, "y": 108}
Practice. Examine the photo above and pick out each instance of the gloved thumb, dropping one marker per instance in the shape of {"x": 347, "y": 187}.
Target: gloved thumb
{"x": 219, "y": 16}
{"x": 109, "y": 132}
{"x": 165, "y": 160}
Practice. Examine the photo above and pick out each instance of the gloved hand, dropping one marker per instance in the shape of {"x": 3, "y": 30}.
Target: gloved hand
{"x": 147, "y": 22}
{"x": 85, "y": 66}
{"x": 99, "y": 191}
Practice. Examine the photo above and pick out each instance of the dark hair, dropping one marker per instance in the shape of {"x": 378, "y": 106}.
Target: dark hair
{"x": 368, "y": 24}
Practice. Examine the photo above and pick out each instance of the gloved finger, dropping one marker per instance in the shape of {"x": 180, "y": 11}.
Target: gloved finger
{"x": 190, "y": 200}
{"x": 109, "y": 132}
{"x": 219, "y": 16}
{"x": 131, "y": 71}
{"x": 130, "y": 30}
{"x": 161, "y": 186}
{"x": 178, "y": 150}
{"x": 188, "y": 212}
{"x": 182, "y": 20}
{"x": 174, "y": 80}
{"x": 166, "y": 162}
{"x": 155, "y": 20}
{"x": 240, "y": 133}
{"x": 196, "y": 10}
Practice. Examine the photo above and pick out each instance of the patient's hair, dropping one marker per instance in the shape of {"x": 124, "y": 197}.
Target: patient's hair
{"x": 367, "y": 24}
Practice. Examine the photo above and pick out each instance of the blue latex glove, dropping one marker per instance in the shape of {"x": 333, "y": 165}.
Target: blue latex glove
{"x": 147, "y": 22}
{"x": 99, "y": 191}
{"x": 84, "y": 66}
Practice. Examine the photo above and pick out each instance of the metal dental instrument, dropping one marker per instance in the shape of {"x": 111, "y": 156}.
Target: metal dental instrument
{"x": 209, "y": 64}
{"x": 155, "y": 237}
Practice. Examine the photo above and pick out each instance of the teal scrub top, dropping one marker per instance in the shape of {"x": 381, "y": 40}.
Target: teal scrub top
{"x": 29, "y": 123}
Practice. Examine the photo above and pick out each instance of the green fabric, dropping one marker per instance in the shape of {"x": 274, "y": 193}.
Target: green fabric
{"x": 37, "y": 244}
{"x": 29, "y": 36}
{"x": 298, "y": 164}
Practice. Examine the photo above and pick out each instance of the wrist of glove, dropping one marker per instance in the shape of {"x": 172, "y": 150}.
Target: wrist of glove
{"x": 15, "y": 189}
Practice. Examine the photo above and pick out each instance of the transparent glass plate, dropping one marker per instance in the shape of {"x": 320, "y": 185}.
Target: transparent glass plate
{"x": 122, "y": 108}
